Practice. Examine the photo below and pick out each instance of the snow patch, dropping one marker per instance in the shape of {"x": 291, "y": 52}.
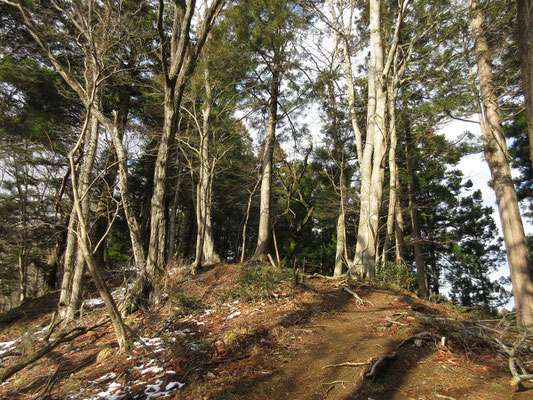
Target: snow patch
{"x": 235, "y": 314}
{"x": 7, "y": 346}
{"x": 152, "y": 370}
{"x": 106, "y": 377}
{"x": 173, "y": 385}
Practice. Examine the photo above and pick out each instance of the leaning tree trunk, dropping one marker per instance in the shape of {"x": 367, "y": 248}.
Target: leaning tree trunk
{"x": 84, "y": 184}
{"x": 263, "y": 239}
{"x": 495, "y": 150}
{"x": 84, "y": 247}
{"x": 524, "y": 12}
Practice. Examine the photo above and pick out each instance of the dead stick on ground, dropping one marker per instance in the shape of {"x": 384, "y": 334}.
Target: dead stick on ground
{"x": 347, "y": 364}
{"x": 392, "y": 321}
{"x": 271, "y": 261}
{"x": 63, "y": 338}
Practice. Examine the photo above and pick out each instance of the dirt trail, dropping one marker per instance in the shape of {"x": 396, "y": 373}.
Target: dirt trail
{"x": 361, "y": 334}
{"x": 286, "y": 343}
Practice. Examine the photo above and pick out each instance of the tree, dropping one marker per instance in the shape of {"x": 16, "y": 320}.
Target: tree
{"x": 495, "y": 149}
{"x": 266, "y": 30}
{"x": 476, "y": 252}
{"x": 524, "y": 18}
{"x": 178, "y": 57}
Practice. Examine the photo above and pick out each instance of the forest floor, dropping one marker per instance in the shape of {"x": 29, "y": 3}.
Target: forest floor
{"x": 251, "y": 333}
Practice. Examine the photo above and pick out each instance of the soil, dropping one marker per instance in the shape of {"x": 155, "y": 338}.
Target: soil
{"x": 219, "y": 336}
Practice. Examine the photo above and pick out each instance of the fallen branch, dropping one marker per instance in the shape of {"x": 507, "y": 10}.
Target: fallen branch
{"x": 347, "y": 364}
{"x": 63, "y": 338}
{"x": 358, "y": 300}
{"x": 334, "y": 382}
{"x": 379, "y": 364}
{"x": 470, "y": 333}
{"x": 441, "y": 396}
{"x": 320, "y": 276}
{"x": 393, "y": 321}
{"x": 271, "y": 261}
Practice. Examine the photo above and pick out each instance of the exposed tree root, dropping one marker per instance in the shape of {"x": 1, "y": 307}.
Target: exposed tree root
{"x": 379, "y": 364}
{"x": 420, "y": 336}
{"x": 358, "y": 300}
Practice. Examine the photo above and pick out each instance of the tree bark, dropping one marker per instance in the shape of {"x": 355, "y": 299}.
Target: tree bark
{"x": 83, "y": 240}
{"x": 524, "y": 13}
{"x": 340, "y": 249}
{"x": 205, "y": 244}
{"x": 263, "y": 239}
{"x": 372, "y": 167}
{"x": 84, "y": 185}
{"x": 495, "y": 150}
{"x": 177, "y": 66}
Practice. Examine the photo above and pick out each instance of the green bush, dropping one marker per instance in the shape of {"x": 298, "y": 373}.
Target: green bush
{"x": 400, "y": 274}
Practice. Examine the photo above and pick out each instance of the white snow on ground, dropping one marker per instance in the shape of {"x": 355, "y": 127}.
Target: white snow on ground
{"x": 7, "y": 346}
{"x": 235, "y": 314}
{"x": 92, "y": 303}
{"x": 149, "y": 342}
{"x": 106, "y": 377}
{"x": 113, "y": 392}
{"x": 117, "y": 294}
{"x": 153, "y": 370}
{"x": 173, "y": 385}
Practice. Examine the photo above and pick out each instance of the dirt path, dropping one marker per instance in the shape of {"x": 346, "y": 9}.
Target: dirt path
{"x": 285, "y": 344}
{"x": 358, "y": 334}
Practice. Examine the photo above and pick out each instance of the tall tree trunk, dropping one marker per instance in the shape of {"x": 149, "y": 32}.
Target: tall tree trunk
{"x": 496, "y": 155}
{"x": 68, "y": 263}
{"x": 399, "y": 250}
{"x": 412, "y": 188}
{"x": 393, "y": 178}
{"x": 84, "y": 184}
{"x": 133, "y": 225}
{"x": 205, "y": 244}
{"x": 524, "y": 12}
{"x": 372, "y": 166}
{"x": 263, "y": 239}
{"x": 340, "y": 249}
{"x": 156, "y": 245}
{"x": 83, "y": 240}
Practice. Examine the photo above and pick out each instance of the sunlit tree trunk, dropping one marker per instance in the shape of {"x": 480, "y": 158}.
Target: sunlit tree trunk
{"x": 496, "y": 155}
{"x": 84, "y": 184}
{"x": 205, "y": 244}
{"x": 263, "y": 239}
{"x": 178, "y": 60}
{"x": 340, "y": 250}
{"x": 372, "y": 165}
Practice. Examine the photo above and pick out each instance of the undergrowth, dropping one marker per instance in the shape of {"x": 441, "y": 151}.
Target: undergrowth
{"x": 258, "y": 281}
{"x": 187, "y": 303}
